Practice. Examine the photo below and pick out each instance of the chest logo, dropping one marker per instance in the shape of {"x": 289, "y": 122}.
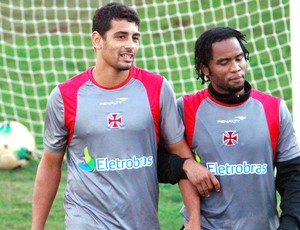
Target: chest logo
{"x": 114, "y": 120}
{"x": 230, "y": 138}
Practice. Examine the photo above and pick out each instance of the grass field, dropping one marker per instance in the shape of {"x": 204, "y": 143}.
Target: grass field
{"x": 33, "y": 60}
{"x": 16, "y": 195}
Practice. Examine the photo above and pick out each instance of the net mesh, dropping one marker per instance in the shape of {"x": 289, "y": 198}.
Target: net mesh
{"x": 43, "y": 43}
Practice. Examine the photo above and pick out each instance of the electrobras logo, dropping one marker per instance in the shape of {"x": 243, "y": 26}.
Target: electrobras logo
{"x": 236, "y": 169}
{"x": 104, "y": 164}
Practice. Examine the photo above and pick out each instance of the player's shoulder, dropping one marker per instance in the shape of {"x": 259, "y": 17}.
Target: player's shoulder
{"x": 69, "y": 88}
{"x": 265, "y": 97}
{"x": 140, "y": 73}
{"x": 192, "y": 100}
{"x": 199, "y": 95}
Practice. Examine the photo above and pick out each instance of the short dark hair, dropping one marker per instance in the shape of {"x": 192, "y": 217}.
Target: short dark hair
{"x": 104, "y": 15}
{"x": 203, "y": 46}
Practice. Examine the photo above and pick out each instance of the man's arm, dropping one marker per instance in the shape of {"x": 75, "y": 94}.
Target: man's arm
{"x": 191, "y": 201}
{"x": 169, "y": 166}
{"x": 172, "y": 168}
{"x": 288, "y": 186}
{"x": 199, "y": 176}
{"x": 45, "y": 188}
{"x": 189, "y": 193}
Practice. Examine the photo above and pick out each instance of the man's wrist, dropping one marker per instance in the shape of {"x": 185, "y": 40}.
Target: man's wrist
{"x": 185, "y": 165}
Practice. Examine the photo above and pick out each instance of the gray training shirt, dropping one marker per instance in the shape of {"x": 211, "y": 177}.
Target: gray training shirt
{"x": 111, "y": 137}
{"x": 239, "y": 143}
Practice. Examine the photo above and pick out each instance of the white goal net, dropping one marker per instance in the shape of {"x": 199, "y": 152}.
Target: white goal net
{"x": 45, "y": 42}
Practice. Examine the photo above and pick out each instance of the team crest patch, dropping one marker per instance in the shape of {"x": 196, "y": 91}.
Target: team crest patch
{"x": 114, "y": 120}
{"x": 230, "y": 138}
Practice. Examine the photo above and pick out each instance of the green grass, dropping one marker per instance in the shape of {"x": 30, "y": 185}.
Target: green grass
{"x": 16, "y": 196}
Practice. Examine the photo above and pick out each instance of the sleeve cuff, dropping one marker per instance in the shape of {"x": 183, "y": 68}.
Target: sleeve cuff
{"x": 178, "y": 164}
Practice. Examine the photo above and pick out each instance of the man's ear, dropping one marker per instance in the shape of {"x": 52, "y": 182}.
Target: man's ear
{"x": 205, "y": 70}
{"x": 96, "y": 40}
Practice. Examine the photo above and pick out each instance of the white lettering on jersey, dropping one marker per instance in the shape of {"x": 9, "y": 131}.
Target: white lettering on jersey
{"x": 237, "y": 119}
{"x": 236, "y": 169}
{"x": 103, "y": 164}
{"x": 119, "y": 100}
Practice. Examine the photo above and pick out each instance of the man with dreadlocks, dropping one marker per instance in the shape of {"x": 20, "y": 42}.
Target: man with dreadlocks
{"x": 241, "y": 135}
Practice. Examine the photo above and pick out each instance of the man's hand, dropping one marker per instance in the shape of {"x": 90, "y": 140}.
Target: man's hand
{"x": 201, "y": 177}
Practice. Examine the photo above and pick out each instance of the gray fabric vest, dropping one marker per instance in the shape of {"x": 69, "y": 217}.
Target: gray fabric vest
{"x": 239, "y": 144}
{"x": 112, "y": 136}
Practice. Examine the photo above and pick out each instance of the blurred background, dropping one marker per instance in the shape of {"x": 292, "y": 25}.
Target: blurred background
{"x": 43, "y": 43}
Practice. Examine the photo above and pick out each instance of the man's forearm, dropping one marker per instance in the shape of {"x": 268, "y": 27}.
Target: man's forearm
{"x": 45, "y": 188}
{"x": 191, "y": 201}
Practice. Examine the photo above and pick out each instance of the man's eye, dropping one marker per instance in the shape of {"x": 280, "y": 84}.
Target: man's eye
{"x": 240, "y": 57}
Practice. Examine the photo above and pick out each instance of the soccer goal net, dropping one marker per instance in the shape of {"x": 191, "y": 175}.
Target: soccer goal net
{"x": 43, "y": 43}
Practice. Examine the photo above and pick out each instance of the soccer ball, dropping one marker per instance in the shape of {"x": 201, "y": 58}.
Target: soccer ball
{"x": 16, "y": 145}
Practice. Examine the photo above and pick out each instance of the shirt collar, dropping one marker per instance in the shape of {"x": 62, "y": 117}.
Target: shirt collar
{"x": 231, "y": 98}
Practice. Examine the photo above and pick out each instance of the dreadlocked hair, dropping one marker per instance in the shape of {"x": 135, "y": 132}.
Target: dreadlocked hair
{"x": 203, "y": 47}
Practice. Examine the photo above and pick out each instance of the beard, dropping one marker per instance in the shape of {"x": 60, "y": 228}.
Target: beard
{"x": 123, "y": 67}
{"x": 235, "y": 89}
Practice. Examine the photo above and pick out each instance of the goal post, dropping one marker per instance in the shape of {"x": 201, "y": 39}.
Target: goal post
{"x": 43, "y": 43}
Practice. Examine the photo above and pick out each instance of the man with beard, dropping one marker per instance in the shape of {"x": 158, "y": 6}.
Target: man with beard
{"x": 110, "y": 119}
{"x": 241, "y": 135}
